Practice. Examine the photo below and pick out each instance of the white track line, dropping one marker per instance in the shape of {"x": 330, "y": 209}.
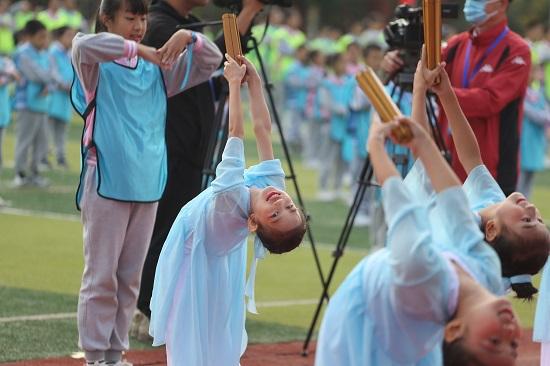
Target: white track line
{"x": 38, "y": 317}
{"x": 62, "y": 316}
{"x": 41, "y": 214}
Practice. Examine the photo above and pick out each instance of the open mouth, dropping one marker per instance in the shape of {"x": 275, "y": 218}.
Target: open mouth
{"x": 271, "y": 195}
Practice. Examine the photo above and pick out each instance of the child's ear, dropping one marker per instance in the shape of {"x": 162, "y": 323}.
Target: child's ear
{"x": 491, "y": 230}
{"x": 454, "y": 330}
{"x": 252, "y": 224}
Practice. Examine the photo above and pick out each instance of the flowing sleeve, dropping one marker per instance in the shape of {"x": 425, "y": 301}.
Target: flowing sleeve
{"x": 230, "y": 171}
{"x": 267, "y": 173}
{"x": 482, "y": 189}
{"x": 420, "y": 274}
{"x": 417, "y": 181}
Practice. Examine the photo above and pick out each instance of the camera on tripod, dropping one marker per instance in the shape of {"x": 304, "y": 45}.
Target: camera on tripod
{"x": 230, "y": 4}
{"x": 406, "y": 34}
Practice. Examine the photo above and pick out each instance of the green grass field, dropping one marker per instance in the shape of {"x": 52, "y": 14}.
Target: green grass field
{"x": 41, "y": 262}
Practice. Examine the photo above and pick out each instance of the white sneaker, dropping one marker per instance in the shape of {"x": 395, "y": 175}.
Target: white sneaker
{"x": 325, "y": 196}
{"x": 96, "y": 363}
{"x": 39, "y": 181}
{"x": 19, "y": 181}
{"x": 118, "y": 363}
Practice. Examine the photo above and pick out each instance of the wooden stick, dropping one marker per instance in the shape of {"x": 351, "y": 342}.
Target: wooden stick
{"x": 371, "y": 85}
{"x": 432, "y": 32}
{"x": 232, "y": 36}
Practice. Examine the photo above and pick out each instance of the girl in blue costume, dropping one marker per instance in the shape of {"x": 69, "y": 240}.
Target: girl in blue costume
{"x": 335, "y": 93}
{"x": 60, "y": 109}
{"x": 198, "y": 303}
{"x": 400, "y": 303}
{"x": 511, "y": 225}
{"x": 121, "y": 92}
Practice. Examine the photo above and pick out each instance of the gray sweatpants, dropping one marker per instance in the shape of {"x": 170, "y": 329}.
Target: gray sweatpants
{"x": 30, "y": 133}
{"x": 116, "y": 239}
{"x": 58, "y": 132}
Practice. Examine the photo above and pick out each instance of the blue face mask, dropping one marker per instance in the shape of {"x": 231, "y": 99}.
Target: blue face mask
{"x": 474, "y": 11}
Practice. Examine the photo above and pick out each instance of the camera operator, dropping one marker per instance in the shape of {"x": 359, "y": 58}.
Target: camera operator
{"x": 489, "y": 70}
{"x": 189, "y": 121}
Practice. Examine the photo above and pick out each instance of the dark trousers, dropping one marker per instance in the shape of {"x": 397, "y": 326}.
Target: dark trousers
{"x": 184, "y": 184}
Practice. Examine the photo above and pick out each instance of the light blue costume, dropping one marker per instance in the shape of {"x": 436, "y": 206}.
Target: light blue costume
{"x": 131, "y": 154}
{"x": 541, "y": 327}
{"x": 60, "y": 103}
{"x": 393, "y": 307}
{"x": 533, "y": 137}
{"x": 338, "y": 91}
{"x": 5, "y": 108}
{"x": 32, "y": 95}
{"x": 198, "y": 302}
{"x": 482, "y": 191}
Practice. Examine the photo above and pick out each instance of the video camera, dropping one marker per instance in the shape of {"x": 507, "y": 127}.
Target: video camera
{"x": 406, "y": 34}
{"x": 230, "y": 4}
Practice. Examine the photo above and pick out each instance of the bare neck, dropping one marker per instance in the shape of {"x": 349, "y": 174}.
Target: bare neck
{"x": 470, "y": 292}
{"x": 491, "y": 23}
{"x": 182, "y": 7}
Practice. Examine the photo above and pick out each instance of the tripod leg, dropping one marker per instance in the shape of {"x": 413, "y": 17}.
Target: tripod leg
{"x": 364, "y": 182}
{"x": 292, "y": 175}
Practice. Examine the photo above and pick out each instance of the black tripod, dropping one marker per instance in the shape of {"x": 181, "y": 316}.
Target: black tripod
{"x": 219, "y": 137}
{"x": 364, "y": 181}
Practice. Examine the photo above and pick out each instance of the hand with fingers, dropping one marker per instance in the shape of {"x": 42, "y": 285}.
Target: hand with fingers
{"x": 379, "y": 132}
{"x": 425, "y": 78}
{"x": 233, "y": 72}
{"x": 149, "y": 54}
{"x": 171, "y": 50}
{"x": 251, "y": 77}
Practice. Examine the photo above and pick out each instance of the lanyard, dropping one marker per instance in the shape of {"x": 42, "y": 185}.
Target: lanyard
{"x": 465, "y": 79}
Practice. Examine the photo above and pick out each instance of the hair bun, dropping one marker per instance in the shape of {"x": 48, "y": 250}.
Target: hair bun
{"x": 524, "y": 290}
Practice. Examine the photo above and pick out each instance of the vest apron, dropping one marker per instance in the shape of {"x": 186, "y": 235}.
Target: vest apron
{"x": 128, "y": 132}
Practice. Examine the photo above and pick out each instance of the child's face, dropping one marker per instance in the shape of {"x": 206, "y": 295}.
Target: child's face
{"x": 340, "y": 65}
{"x": 128, "y": 25}
{"x": 39, "y": 40}
{"x": 274, "y": 209}
{"x": 67, "y": 38}
{"x": 519, "y": 216}
{"x": 492, "y": 332}
{"x": 374, "y": 59}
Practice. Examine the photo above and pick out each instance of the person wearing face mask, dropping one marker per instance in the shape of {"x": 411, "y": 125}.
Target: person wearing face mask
{"x": 489, "y": 69}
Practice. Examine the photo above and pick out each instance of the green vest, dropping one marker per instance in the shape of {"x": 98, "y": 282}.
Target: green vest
{"x": 74, "y": 19}
{"x": 6, "y": 36}
{"x": 21, "y": 19}
{"x": 61, "y": 19}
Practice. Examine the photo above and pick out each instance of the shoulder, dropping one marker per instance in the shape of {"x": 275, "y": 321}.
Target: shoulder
{"x": 517, "y": 43}
{"x": 457, "y": 39}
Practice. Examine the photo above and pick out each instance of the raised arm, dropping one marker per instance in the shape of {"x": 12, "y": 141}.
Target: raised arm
{"x": 206, "y": 59}
{"x": 423, "y": 80}
{"x": 463, "y": 135}
{"x": 234, "y": 73}
{"x": 261, "y": 119}
{"x": 89, "y": 50}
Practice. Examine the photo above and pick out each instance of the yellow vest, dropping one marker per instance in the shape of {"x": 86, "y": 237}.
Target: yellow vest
{"x": 59, "y": 20}
{"x": 21, "y": 19}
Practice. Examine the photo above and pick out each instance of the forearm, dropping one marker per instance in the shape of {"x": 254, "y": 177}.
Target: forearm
{"x": 101, "y": 47}
{"x": 31, "y": 71}
{"x": 419, "y": 114}
{"x": 261, "y": 120}
{"x": 236, "y": 122}
{"x": 206, "y": 60}
{"x": 439, "y": 171}
{"x": 463, "y": 135}
{"x": 383, "y": 166}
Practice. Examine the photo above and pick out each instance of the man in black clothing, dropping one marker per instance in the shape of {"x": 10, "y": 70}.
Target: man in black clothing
{"x": 188, "y": 127}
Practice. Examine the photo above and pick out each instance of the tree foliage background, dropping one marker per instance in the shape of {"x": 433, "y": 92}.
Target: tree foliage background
{"x": 342, "y": 13}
